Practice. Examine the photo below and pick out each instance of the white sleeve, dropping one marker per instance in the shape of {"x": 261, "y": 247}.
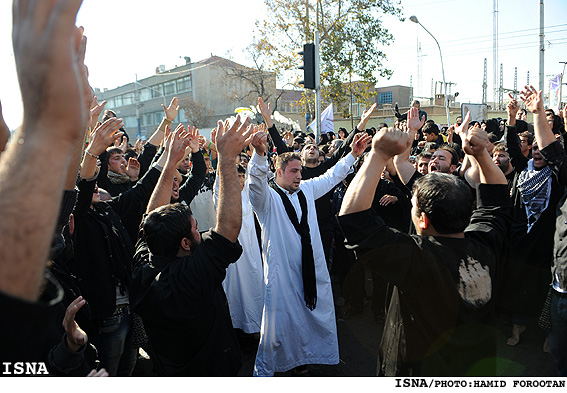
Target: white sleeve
{"x": 323, "y": 184}
{"x": 259, "y": 190}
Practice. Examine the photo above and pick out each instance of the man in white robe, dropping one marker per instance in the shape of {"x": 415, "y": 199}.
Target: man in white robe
{"x": 244, "y": 282}
{"x": 292, "y": 335}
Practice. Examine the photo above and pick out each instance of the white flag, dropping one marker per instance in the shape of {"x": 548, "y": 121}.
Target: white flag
{"x": 327, "y": 122}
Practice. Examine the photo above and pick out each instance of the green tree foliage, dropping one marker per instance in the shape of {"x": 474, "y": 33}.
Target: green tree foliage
{"x": 351, "y": 36}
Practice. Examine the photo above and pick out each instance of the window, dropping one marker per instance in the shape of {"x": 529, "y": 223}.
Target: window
{"x": 117, "y": 101}
{"x": 157, "y": 117}
{"x": 157, "y": 91}
{"x": 169, "y": 88}
{"x": 183, "y": 84}
{"x": 385, "y": 97}
{"x": 130, "y": 122}
{"x": 128, "y": 99}
{"x": 145, "y": 94}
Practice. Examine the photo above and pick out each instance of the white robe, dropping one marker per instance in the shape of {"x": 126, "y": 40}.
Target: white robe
{"x": 244, "y": 282}
{"x": 291, "y": 334}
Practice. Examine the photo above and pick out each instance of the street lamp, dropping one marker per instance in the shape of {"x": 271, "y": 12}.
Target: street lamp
{"x": 413, "y": 18}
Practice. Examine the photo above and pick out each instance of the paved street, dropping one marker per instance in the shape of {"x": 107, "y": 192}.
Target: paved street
{"x": 359, "y": 338}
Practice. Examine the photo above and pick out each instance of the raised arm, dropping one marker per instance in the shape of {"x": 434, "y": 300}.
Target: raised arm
{"x": 176, "y": 143}
{"x": 475, "y": 146}
{"x": 230, "y": 142}
{"x": 265, "y": 110}
{"x": 170, "y": 113}
{"x": 543, "y": 133}
{"x": 404, "y": 168}
{"x": 386, "y": 144}
{"x": 46, "y": 44}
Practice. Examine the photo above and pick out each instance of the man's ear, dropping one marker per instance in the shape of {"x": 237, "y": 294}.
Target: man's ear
{"x": 279, "y": 172}
{"x": 424, "y": 222}
{"x": 185, "y": 244}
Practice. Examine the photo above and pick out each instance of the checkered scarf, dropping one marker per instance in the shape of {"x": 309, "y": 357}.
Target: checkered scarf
{"x": 535, "y": 189}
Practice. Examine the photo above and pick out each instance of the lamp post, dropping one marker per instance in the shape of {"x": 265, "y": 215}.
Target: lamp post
{"x": 413, "y": 18}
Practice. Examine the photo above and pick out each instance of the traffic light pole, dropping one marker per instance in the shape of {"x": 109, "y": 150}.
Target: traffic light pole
{"x": 317, "y": 89}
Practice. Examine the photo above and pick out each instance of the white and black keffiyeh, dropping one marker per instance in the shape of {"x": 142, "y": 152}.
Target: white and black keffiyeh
{"x": 535, "y": 189}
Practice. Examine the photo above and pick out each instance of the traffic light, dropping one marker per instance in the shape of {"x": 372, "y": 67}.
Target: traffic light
{"x": 308, "y": 66}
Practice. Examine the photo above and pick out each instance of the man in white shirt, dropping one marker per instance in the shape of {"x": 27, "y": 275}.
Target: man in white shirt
{"x": 298, "y": 320}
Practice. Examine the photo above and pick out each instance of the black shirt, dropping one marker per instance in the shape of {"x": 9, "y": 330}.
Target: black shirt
{"x": 184, "y": 308}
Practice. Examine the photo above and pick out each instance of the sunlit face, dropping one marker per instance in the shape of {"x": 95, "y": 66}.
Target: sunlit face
{"x": 290, "y": 178}
{"x": 310, "y": 153}
{"x": 117, "y": 163}
{"x": 422, "y": 165}
{"x": 441, "y": 162}
{"x": 185, "y": 165}
{"x": 429, "y": 137}
{"x": 524, "y": 144}
{"x": 539, "y": 162}
{"x": 175, "y": 188}
{"x": 241, "y": 180}
{"x": 502, "y": 160}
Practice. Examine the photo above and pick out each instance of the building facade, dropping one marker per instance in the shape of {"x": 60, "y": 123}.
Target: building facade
{"x": 207, "y": 90}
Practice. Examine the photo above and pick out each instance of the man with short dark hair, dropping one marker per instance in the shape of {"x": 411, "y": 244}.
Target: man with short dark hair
{"x": 440, "y": 320}
{"x": 298, "y": 323}
{"x": 176, "y": 285}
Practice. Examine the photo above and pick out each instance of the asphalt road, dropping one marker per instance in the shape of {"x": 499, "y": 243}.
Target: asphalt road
{"x": 359, "y": 338}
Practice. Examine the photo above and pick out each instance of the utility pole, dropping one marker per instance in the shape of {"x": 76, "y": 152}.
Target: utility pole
{"x": 317, "y": 88}
{"x": 495, "y": 51}
{"x": 541, "y": 46}
{"x": 484, "y": 83}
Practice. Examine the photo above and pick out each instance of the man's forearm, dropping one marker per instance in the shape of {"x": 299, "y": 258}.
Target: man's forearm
{"x": 489, "y": 173}
{"x": 22, "y": 269}
{"x": 162, "y": 192}
{"x": 229, "y": 211}
{"x": 360, "y": 193}
{"x": 543, "y": 133}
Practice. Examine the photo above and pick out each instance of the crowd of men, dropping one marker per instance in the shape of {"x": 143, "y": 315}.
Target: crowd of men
{"x": 182, "y": 245}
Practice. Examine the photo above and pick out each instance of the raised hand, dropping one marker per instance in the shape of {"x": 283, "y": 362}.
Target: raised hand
{"x": 359, "y": 144}
{"x": 259, "y": 142}
{"x": 365, "y": 117}
{"x": 266, "y": 112}
{"x": 512, "y": 108}
{"x": 390, "y": 142}
{"x": 232, "y": 138}
{"x": 464, "y": 127}
{"x": 172, "y": 109}
{"x": 74, "y": 335}
{"x": 194, "y": 138}
{"x": 133, "y": 169}
{"x": 176, "y": 144}
{"x": 104, "y": 135}
{"x": 46, "y": 49}
{"x": 96, "y": 110}
{"x": 532, "y": 99}
{"x": 414, "y": 123}
{"x": 475, "y": 142}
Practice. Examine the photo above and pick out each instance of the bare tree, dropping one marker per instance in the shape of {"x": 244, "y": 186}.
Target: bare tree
{"x": 197, "y": 114}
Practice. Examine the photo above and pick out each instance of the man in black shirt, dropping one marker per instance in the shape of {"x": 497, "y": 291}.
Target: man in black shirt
{"x": 176, "y": 285}
{"x": 440, "y": 321}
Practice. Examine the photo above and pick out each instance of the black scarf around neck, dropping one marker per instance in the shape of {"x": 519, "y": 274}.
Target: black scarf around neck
{"x": 302, "y": 228}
